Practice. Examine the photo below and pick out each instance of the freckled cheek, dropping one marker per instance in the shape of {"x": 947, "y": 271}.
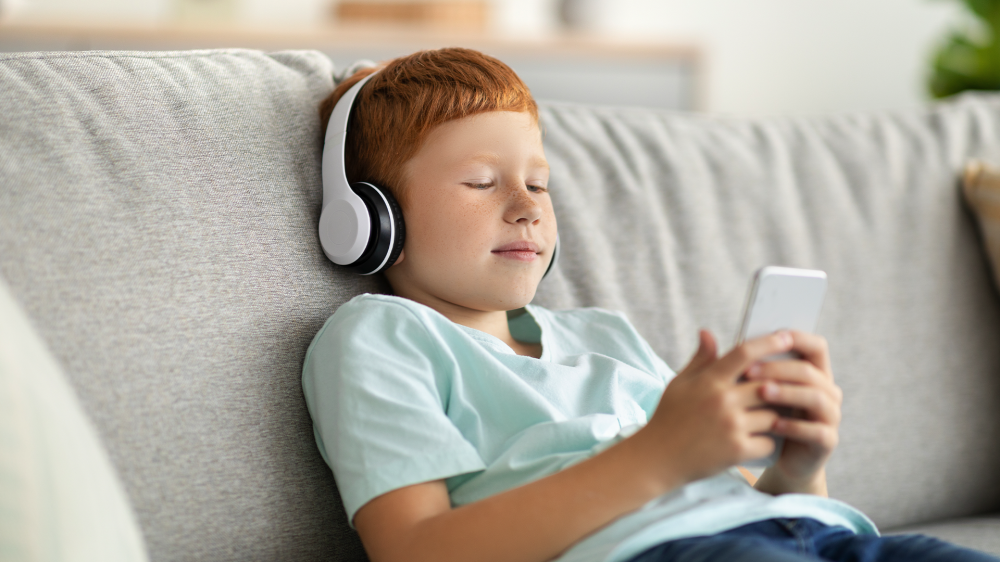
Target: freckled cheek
{"x": 472, "y": 232}
{"x": 450, "y": 231}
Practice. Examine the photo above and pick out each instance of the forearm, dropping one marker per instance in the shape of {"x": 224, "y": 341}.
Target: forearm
{"x": 539, "y": 520}
{"x": 775, "y": 483}
{"x": 706, "y": 421}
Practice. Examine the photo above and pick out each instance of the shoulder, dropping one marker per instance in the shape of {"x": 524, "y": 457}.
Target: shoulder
{"x": 369, "y": 308}
{"x": 376, "y": 345}
{"x": 368, "y": 313}
{"x": 371, "y": 325}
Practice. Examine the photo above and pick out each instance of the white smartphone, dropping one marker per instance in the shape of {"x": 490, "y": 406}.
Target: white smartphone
{"x": 781, "y": 298}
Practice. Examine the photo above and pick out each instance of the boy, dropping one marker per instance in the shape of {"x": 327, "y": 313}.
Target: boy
{"x": 457, "y": 430}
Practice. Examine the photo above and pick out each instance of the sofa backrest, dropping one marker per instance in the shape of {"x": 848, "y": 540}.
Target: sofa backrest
{"x": 666, "y": 216}
{"x": 158, "y": 218}
{"x": 158, "y": 222}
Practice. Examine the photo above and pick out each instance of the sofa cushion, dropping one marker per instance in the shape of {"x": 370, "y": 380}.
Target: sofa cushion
{"x": 666, "y": 216}
{"x": 158, "y": 223}
{"x": 981, "y": 533}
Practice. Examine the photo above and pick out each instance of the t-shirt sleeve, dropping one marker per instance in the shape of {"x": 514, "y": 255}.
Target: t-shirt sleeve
{"x": 659, "y": 366}
{"x": 376, "y": 385}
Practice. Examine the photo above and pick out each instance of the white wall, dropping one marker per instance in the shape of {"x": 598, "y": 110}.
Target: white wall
{"x": 764, "y": 57}
{"x": 277, "y": 12}
{"x": 77, "y": 10}
{"x": 779, "y": 57}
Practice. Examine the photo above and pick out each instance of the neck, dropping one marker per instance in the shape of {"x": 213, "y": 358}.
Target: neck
{"x": 492, "y": 322}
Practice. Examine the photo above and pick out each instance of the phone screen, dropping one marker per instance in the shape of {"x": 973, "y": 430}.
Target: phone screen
{"x": 782, "y": 298}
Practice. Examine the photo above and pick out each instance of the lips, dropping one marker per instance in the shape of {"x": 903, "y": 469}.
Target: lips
{"x": 522, "y": 250}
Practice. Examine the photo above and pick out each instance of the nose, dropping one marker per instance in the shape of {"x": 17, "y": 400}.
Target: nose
{"x": 522, "y": 208}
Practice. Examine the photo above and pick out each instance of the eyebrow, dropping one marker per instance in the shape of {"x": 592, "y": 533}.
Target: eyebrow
{"x": 494, "y": 158}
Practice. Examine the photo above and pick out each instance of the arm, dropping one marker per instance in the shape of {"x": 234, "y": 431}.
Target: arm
{"x": 723, "y": 425}
{"x": 536, "y": 521}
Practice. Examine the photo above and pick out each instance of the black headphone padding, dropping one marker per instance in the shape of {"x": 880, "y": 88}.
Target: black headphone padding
{"x": 386, "y": 217}
{"x": 552, "y": 261}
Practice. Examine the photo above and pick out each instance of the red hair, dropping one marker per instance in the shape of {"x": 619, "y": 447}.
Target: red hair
{"x": 395, "y": 110}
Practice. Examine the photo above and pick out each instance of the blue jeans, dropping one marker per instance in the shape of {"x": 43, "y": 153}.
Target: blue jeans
{"x": 802, "y": 540}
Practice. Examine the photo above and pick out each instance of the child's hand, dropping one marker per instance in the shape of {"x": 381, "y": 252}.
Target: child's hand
{"x": 709, "y": 420}
{"x": 806, "y": 385}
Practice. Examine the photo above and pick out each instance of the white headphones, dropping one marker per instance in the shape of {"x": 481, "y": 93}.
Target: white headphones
{"x": 361, "y": 225}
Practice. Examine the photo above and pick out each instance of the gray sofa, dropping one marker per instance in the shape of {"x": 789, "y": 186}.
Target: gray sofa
{"x": 158, "y": 223}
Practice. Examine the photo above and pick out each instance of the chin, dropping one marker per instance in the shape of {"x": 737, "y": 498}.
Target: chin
{"x": 515, "y": 301}
{"x": 507, "y": 299}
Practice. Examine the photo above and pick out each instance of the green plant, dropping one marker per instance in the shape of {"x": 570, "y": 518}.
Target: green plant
{"x": 970, "y": 58}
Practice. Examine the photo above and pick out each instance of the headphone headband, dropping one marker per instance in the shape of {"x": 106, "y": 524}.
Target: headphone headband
{"x": 335, "y": 184}
{"x": 345, "y": 223}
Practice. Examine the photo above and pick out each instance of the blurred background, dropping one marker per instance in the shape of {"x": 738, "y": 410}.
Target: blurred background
{"x": 737, "y": 57}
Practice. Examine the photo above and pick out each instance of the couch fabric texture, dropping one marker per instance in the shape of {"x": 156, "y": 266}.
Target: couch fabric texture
{"x": 158, "y": 218}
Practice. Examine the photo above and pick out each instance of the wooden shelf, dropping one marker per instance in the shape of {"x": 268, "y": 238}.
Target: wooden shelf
{"x": 585, "y": 64}
{"x": 218, "y": 35}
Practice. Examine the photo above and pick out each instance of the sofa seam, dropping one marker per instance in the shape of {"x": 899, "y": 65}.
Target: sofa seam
{"x": 177, "y": 54}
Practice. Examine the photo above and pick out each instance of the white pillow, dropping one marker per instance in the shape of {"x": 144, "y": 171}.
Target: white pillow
{"x": 60, "y": 499}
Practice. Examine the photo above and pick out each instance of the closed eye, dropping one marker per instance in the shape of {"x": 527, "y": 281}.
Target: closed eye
{"x": 479, "y": 185}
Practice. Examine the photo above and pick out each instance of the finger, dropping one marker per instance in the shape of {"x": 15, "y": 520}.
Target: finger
{"x": 797, "y": 373}
{"x": 705, "y": 355}
{"x": 749, "y": 395}
{"x": 813, "y": 349}
{"x": 789, "y": 372}
{"x": 817, "y": 405}
{"x": 708, "y": 350}
{"x": 808, "y": 432}
{"x": 758, "y": 447}
{"x": 760, "y": 421}
{"x": 737, "y": 361}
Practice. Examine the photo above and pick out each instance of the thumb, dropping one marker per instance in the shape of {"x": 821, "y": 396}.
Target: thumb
{"x": 706, "y": 354}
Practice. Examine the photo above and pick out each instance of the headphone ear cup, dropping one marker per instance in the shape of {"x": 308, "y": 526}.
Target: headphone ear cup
{"x": 399, "y": 225}
{"x": 387, "y": 232}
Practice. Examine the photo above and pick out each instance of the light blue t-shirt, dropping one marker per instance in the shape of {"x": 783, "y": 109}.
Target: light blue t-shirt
{"x": 400, "y": 395}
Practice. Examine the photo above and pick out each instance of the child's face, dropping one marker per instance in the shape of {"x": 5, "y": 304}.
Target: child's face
{"x": 479, "y": 223}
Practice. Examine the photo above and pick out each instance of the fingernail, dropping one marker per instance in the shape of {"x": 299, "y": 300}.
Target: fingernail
{"x": 786, "y": 338}
{"x": 753, "y": 371}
